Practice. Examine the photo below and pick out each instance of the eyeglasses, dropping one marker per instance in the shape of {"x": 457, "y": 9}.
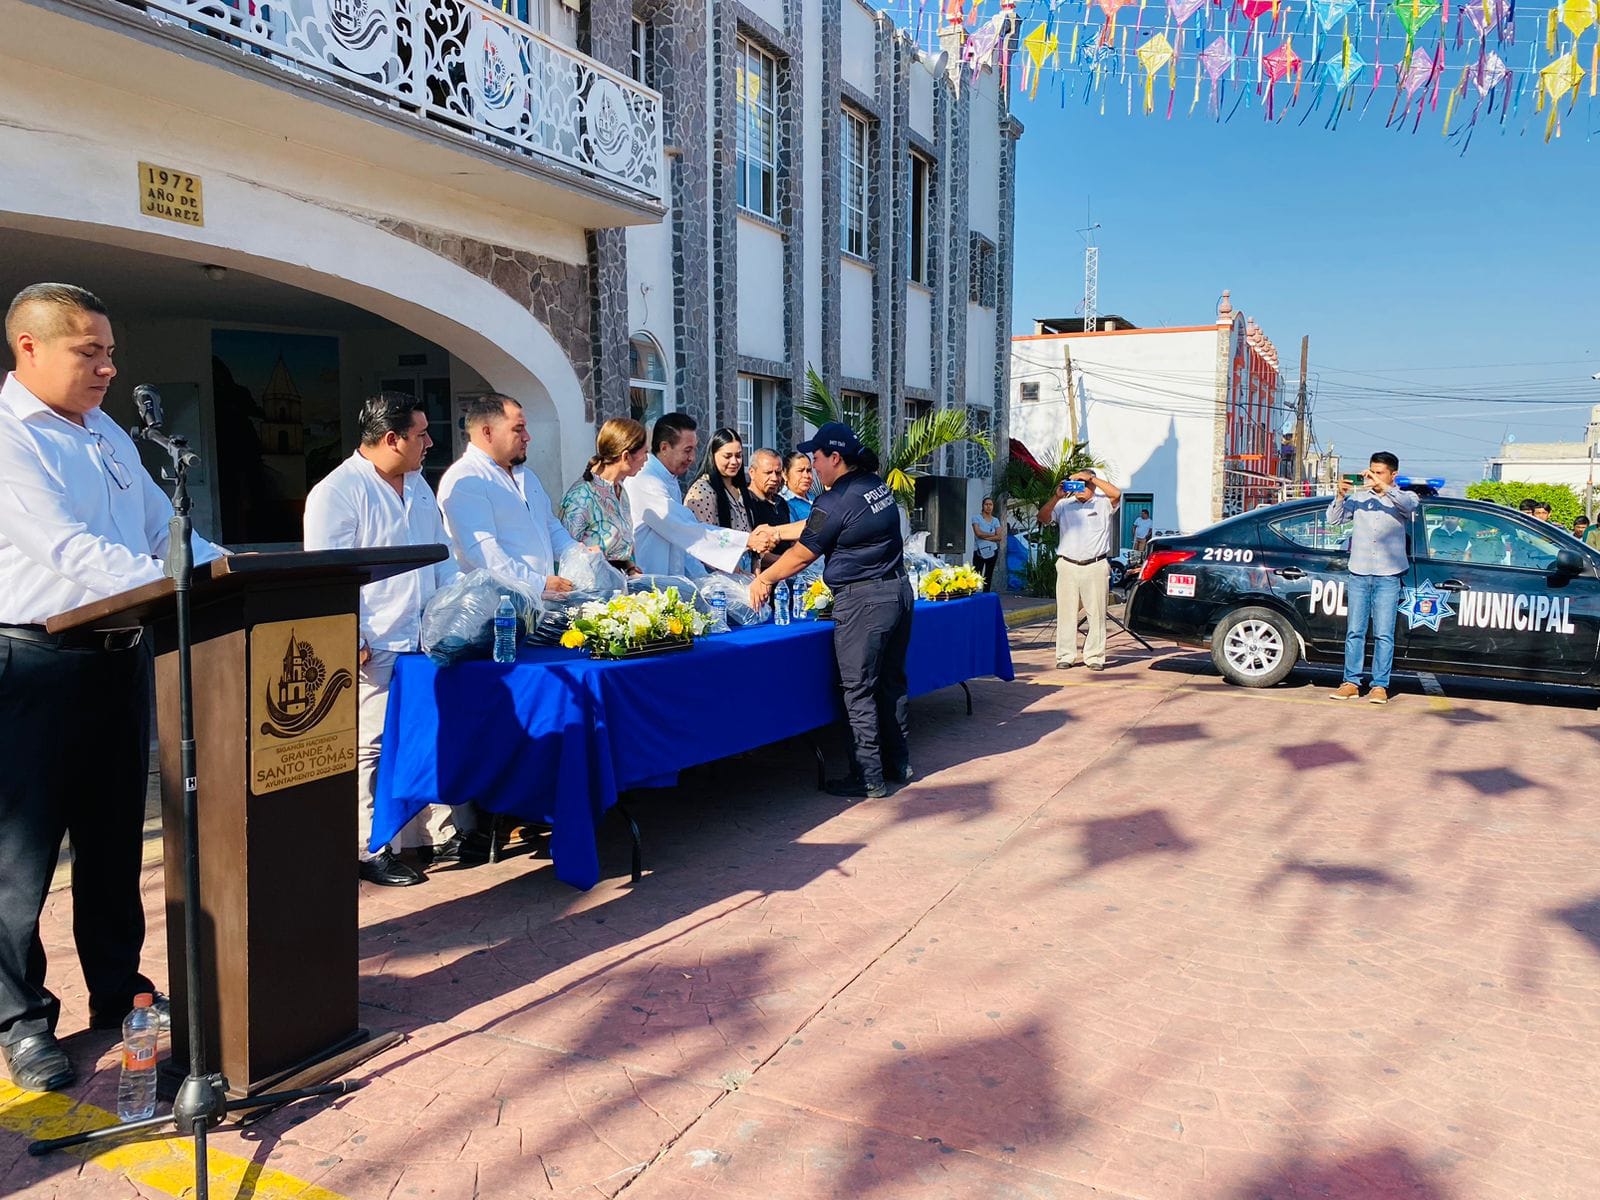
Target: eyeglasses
{"x": 120, "y": 475}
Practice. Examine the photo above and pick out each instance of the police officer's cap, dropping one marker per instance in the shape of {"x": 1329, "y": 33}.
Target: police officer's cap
{"x": 833, "y": 438}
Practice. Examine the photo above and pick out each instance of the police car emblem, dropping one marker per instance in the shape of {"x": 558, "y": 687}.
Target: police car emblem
{"x": 1424, "y": 607}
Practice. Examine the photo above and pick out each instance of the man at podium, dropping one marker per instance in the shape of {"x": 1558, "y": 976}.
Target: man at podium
{"x": 378, "y": 497}
{"x": 80, "y": 520}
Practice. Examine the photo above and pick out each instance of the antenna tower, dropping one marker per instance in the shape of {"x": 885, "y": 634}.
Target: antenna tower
{"x": 1091, "y": 276}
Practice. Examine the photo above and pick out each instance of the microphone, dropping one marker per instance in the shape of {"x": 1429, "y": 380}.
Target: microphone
{"x": 148, "y": 401}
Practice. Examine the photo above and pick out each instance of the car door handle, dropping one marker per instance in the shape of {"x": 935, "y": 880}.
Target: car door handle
{"x": 1453, "y": 585}
{"x": 1289, "y": 572}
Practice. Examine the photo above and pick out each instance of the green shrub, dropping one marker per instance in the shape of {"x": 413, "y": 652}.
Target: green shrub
{"x": 1565, "y": 506}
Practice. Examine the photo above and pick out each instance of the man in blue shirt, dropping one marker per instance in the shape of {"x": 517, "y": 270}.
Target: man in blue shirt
{"x": 1378, "y": 561}
{"x": 856, "y": 524}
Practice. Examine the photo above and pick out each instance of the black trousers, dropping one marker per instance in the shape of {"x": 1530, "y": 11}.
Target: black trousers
{"x": 871, "y": 633}
{"x": 985, "y": 567}
{"x": 74, "y": 757}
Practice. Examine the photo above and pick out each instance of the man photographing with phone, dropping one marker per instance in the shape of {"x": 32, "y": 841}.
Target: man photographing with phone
{"x": 1082, "y": 509}
{"x": 1378, "y": 560}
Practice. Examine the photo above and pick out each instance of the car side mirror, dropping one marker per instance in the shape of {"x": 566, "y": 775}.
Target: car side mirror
{"x": 1568, "y": 562}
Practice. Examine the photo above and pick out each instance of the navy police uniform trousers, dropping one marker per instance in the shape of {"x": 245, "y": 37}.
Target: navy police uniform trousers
{"x": 871, "y": 633}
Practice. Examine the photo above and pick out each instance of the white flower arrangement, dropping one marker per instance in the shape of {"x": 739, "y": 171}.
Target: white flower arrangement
{"x": 612, "y": 628}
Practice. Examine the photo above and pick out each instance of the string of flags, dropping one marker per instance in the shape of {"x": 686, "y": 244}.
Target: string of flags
{"x": 1466, "y": 63}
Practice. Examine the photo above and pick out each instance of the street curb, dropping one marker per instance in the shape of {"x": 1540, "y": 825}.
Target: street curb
{"x": 1022, "y": 616}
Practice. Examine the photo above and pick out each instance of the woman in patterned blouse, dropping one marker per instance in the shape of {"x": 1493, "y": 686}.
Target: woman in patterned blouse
{"x": 595, "y": 509}
{"x": 719, "y": 494}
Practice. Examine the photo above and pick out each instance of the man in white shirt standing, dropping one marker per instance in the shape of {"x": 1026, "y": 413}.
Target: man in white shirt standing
{"x": 667, "y": 539}
{"x": 1083, "y": 574}
{"x": 497, "y": 513}
{"x": 377, "y": 497}
{"x": 80, "y": 520}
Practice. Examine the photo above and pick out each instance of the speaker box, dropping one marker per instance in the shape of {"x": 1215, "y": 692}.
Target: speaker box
{"x": 941, "y": 509}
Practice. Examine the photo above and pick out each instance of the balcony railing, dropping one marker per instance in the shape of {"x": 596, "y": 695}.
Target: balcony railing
{"x": 1246, "y": 490}
{"x": 459, "y": 62}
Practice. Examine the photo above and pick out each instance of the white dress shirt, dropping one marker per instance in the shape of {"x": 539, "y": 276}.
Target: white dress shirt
{"x": 80, "y": 517}
{"x": 354, "y": 508}
{"x": 667, "y": 539}
{"x": 1085, "y": 527}
{"x": 501, "y": 520}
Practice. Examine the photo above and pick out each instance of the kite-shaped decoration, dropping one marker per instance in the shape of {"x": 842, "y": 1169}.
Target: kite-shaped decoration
{"x": 1182, "y": 10}
{"x": 1153, "y": 55}
{"x": 1578, "y": 16}
{"x": 1217, "y": 60}
{"x": 1040, "y": 47}
{"x": 1487, "y": 14}
{"x": 1413, "y": 15}
{"x": 1339, "y": 73}
{"x": 1487, "y": 73}
{"x": 1110, "y": 7}
{"x": 1329, "y": 13}
{"x": 981, "y": 46}
{"x": 1556, "y": 79}
{"x": 1279, "y": 65}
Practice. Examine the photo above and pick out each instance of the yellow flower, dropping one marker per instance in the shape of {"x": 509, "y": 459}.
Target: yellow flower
{"x": 572, "y": 639}
{"x": 675, "y": 627}
{"x": 933, "y": 589}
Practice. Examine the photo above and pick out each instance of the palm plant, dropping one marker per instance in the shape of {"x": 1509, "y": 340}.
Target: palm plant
{"x": 1029, "y": 487}
{"x": 922, "y": 439}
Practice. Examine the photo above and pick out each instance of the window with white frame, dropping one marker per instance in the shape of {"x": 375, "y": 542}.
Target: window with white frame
{"x": 854, "y": 139}
{"x": 647, "y": 380}
{"x": 639, "y": 53}
{"x": 1030, "y": 393}
{"x": 917, "y": 227}
{"x": 854, "y": 407}
{"x": 756, "y": 118}
{"x": 753, "y": 417}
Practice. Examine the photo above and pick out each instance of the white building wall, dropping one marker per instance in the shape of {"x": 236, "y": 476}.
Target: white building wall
{"x": 922, "y": 102}
{"x": 1576, "y": 473}
{"x": 1153, "y": 439}
{"x": 859, "y": 40}
{"x": 855, "y": 332}
{"x": 770, "y": 11}
{"x": 919, "y": 336}
{"x": 761, "y": 292}
{"x": 980, "y": 355}
{"x": 650, "y": 292}
{"x": 983, "y": 167}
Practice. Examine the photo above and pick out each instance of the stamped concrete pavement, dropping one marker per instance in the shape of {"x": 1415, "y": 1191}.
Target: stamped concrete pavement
{"x": 1135, "y": 934}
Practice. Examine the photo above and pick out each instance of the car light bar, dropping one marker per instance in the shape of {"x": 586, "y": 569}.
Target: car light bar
{"x": 1162, "y": 558}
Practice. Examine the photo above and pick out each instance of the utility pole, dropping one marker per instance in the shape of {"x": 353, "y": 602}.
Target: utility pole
{"x": 1300, "y": 414}
{"x": 1072, "y": 399}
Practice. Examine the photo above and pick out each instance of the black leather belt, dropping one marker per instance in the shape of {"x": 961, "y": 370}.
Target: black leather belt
{"x": 1088, "y": 562}
{"x": 84, "y": 639}
{"x": 845, "y": 587}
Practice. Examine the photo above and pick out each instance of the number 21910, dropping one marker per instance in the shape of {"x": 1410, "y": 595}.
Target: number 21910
{"x": 1228, "y": 554}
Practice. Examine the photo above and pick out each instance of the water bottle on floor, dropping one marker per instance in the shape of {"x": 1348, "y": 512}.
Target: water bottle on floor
{"x": 141, "y": 1031}
{"x": 780, "y": 603}
{"x": 505, "y": 631}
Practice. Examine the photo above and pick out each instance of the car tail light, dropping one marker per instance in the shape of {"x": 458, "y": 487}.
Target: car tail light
{"x": 1162, "y": 558}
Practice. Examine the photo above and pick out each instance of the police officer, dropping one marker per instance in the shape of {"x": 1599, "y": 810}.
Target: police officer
{"x": 80, "y": 520}
{"x": 856, "y": 524}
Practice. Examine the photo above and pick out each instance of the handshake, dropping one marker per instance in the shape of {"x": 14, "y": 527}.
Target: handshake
{"x": 763, "y": 538}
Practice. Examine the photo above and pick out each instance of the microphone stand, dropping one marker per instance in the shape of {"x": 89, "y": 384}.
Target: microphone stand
{"x": 202, "y": 1100}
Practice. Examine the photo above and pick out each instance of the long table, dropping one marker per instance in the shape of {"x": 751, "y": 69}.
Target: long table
{"x": 555, "y": 737}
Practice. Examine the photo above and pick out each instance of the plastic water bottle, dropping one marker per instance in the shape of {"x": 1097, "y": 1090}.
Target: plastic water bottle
{"x": 141, "y": 1033}
{"x": 782, "y": 606}
{"x": 798, "y": 600}
{"x": 505, "y": 631}
{"x": 719, "y": 613}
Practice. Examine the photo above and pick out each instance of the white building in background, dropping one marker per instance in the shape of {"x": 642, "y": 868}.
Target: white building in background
{"x": 600, "y": 208}
{"x": 1186, "y": 418}
{"x": 1571, "y": 463}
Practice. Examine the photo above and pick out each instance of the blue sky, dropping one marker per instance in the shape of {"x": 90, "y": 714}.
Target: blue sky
{"x": 1426, "y": 270}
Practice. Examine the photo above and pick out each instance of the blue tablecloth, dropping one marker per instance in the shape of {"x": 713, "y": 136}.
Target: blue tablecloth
{"x": 556, "y": 736}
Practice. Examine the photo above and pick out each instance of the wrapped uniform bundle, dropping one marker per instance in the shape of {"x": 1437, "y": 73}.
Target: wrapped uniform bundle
{"x": 590, "y": 573}
{"x": 735, "y": 589}
{"x": 458, "y": 622}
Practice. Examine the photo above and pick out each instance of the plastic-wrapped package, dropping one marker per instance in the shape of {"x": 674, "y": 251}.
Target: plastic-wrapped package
{"x": 688, "y": 589}
{"x": 588, "y": 570}
{"x": 458, "y": 622}
{"x": 735, "y": 590}
{"x": 918, "y": 562}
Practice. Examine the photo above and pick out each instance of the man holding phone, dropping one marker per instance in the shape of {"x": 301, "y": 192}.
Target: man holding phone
{"x": 1378, "y": 561}
{"x": 1082, "y": 509}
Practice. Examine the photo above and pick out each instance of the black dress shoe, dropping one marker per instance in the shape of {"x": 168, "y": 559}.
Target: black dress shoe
{"x": 469, "y": 849}
{"x": 856, "y": 789}
{"x": 112, "y": 1018}
{"x": 388, "y": 871}
{"x": 39, "y": 1064}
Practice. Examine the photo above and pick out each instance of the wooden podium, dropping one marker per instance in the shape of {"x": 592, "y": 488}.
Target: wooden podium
{"x": 274, "y": 685}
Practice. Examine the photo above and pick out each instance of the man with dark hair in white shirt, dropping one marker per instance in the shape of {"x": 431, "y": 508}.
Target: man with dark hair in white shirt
{"x": 1082, "y": 510}
{"x": 377, "y": 497}
{"x": 80, "y": 520}
{"x": 498, "y": 515}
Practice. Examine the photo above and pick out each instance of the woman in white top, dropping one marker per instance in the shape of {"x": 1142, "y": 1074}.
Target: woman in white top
{"x": 988, "y": 536}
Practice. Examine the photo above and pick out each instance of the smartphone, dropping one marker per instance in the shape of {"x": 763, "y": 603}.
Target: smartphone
{"x": 1073, "y": 487}
{"x": 1357, "y": 480}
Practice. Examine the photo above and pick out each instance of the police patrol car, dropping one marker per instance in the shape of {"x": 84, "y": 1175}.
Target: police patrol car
{"x": 1490, "y": 591}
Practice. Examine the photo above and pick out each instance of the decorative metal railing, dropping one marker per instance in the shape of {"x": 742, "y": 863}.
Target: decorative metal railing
{"x": 1245, "y": 490}
{"x": 462, "y": 63}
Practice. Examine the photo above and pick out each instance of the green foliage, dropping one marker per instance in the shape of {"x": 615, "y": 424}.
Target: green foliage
{"x": 1565, "y": 507}
{"x": 1029, "y": 488}
{"x": 922, "y": 439}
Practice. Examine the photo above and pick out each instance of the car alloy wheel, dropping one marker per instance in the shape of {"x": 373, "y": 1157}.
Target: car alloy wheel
{"x": 1254, "y": 648}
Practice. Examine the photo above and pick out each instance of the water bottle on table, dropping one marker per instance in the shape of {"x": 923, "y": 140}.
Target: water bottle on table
{"x": 141, "y": 1031}
{"x": 505, "y": 630}
{"x": 780, "y": 603}
{"x": 719, "y": 613}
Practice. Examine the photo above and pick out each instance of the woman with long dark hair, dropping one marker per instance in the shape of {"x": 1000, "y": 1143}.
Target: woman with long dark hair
{"x": 720, "y": 493}
{"x": 595, "y": 509}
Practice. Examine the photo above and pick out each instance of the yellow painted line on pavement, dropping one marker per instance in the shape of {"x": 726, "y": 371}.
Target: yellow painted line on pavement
{"x": 163, "y": 1165}
{"x": 1261, "y": 695}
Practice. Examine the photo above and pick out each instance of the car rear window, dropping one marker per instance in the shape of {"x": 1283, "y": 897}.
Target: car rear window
{"x": 1311, "y": 531}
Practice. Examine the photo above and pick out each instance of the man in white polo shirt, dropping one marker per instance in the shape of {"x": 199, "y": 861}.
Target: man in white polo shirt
{"x": 498, "y": 514}
{"x": 1083, "y": 576}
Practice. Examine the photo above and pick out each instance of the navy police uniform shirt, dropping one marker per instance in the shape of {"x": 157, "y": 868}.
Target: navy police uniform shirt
{"x": 856, "y": 523}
